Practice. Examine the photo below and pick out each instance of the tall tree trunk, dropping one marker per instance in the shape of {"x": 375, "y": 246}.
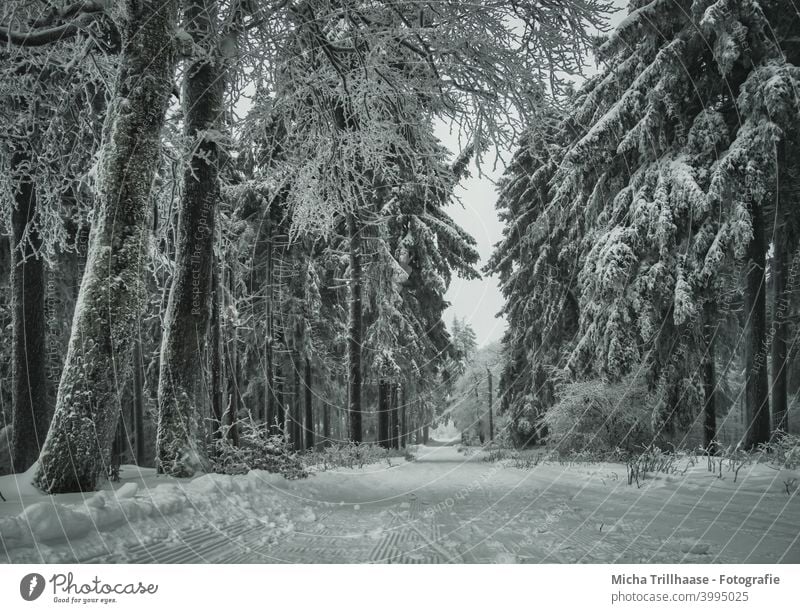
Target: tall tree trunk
{"x": 709, "y": 382}
{"x": 755, "y": 338}
{"x": 355, "y": 332}
{"x": 30, "y": 415}
{"x": 138, "y": 402}
{"x": 280, "y": 398}
{"x": 309, "y": 408}
{"x": 326, "y": 421}
{"x": 491, "y": 417}
{"x": 394, "y": 419}
{"x": 780, "y": 299}
{"x": 181, "y": 449}
{"x": 234, "y": 374}
{"x": 215, "y": 351}
{"x": 76, "y": 451}
{"x": 117, "y": 447}
{"x": 403, "y": 417}
{"x": 384, "y": 393}
{"x": 270, "y": 340}
{"x": 297, "y": 406}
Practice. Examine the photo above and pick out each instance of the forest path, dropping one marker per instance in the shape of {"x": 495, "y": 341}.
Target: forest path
{"x": 446, "y": 507}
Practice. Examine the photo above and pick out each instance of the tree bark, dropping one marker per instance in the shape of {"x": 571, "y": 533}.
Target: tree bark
{"x": 781, "y": 300}
{"x": 756, "y": 385}
{"x": 296, "y": 409}
{"x": 326, "y": 422}
{"x": 181, "y": 449}
{"x": 234, "y": 375}
{"x": 30, "y": 411}
{"x": 403, "y": 417}
{"x": 394, "y": 419}
{"x": 491, "y": 418}
{"x": 280, "y": 398}
{"x": 709, "y": 383}
{"x": 384, "y": 392}
{"x": 309, "y": 408}
{"x": 215, "y": 352}
{"x": 270, "y": 340}
{"x": 76, "y": 452}
{"x": 138, "y": 402}
{"x": 355, "y": 332}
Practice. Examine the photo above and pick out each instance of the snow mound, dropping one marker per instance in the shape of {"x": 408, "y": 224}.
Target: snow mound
{"x": 49, "y": 519}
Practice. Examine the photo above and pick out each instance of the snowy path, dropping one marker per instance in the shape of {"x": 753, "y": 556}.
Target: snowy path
{"x": 446, "y": 507}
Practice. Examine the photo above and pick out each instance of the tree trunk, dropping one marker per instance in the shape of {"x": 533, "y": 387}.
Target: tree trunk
{"x": 270, "y": 341}
{"x": 309, "y": 408}
{"x": 326, "y": 421}
{"x": 280, "y": 398}
{"x": 116, "y": 450}
{"x": 30, "y": 414}
{"x": 709, "y": 383}
{"x": 491, "y": 418}
{"x": 296, "y": 409}
{"x": 403, "y": 417}
{"x": 755, "y": 338}
{"x": 234, "y": 375}
{"x": 181, "y": 448}
{"x": 355, "y": 333}
{"x": 138, "y": 402}
{"x": 75, "y": 454}
{"x": 215, "y": 352}
{"x": 384, "y": 392}
{"x": 780, "y": 300}
{"x": 394, "y": 421}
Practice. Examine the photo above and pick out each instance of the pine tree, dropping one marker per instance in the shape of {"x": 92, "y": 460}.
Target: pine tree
{"x": 664, "y": 175}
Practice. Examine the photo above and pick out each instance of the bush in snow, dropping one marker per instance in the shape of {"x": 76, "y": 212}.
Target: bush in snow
{"x": 600, "y": 416}
{"x": 783, "y": 451}
{"x": 352, "y": 455}
{"x": 258, "y": 449}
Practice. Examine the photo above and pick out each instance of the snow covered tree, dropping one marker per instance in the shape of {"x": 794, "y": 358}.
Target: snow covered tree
{"x": 360, "y": 72}
{"x": 49, "y": 105}
{"x": 468, "y": 406}
{"x": 75, "y": 453}
{"x": 537, "y": 267}
{"x": 180, "y": 447}
{"x": 665, "y": 175}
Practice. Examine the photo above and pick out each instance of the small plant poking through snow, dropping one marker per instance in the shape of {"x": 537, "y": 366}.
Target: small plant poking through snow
{"x": 652, "y": 460}
{"x": 257, "y": 450}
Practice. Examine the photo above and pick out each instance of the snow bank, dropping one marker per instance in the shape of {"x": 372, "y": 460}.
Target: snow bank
{"x": 17, "y": 487}
{"x": 52, "y": 519}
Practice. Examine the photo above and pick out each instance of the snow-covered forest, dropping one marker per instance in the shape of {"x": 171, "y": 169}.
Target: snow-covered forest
{"x": 228, "y": 238}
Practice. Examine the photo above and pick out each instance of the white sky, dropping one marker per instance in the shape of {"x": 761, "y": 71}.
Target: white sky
{"x": 478, "y": 301}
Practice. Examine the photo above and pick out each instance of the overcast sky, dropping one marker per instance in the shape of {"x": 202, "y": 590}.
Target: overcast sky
{"x": 478, "y": 301}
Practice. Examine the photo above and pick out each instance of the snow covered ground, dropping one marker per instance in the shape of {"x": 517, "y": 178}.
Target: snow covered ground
{"x": 443, "y": 507}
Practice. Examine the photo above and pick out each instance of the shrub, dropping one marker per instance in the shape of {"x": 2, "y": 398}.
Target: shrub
{"x": 257, "y": 450}
{"x": 783, "y": 450}
{"x": 597, "y": 416}
{"x": 352, "y": 455}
